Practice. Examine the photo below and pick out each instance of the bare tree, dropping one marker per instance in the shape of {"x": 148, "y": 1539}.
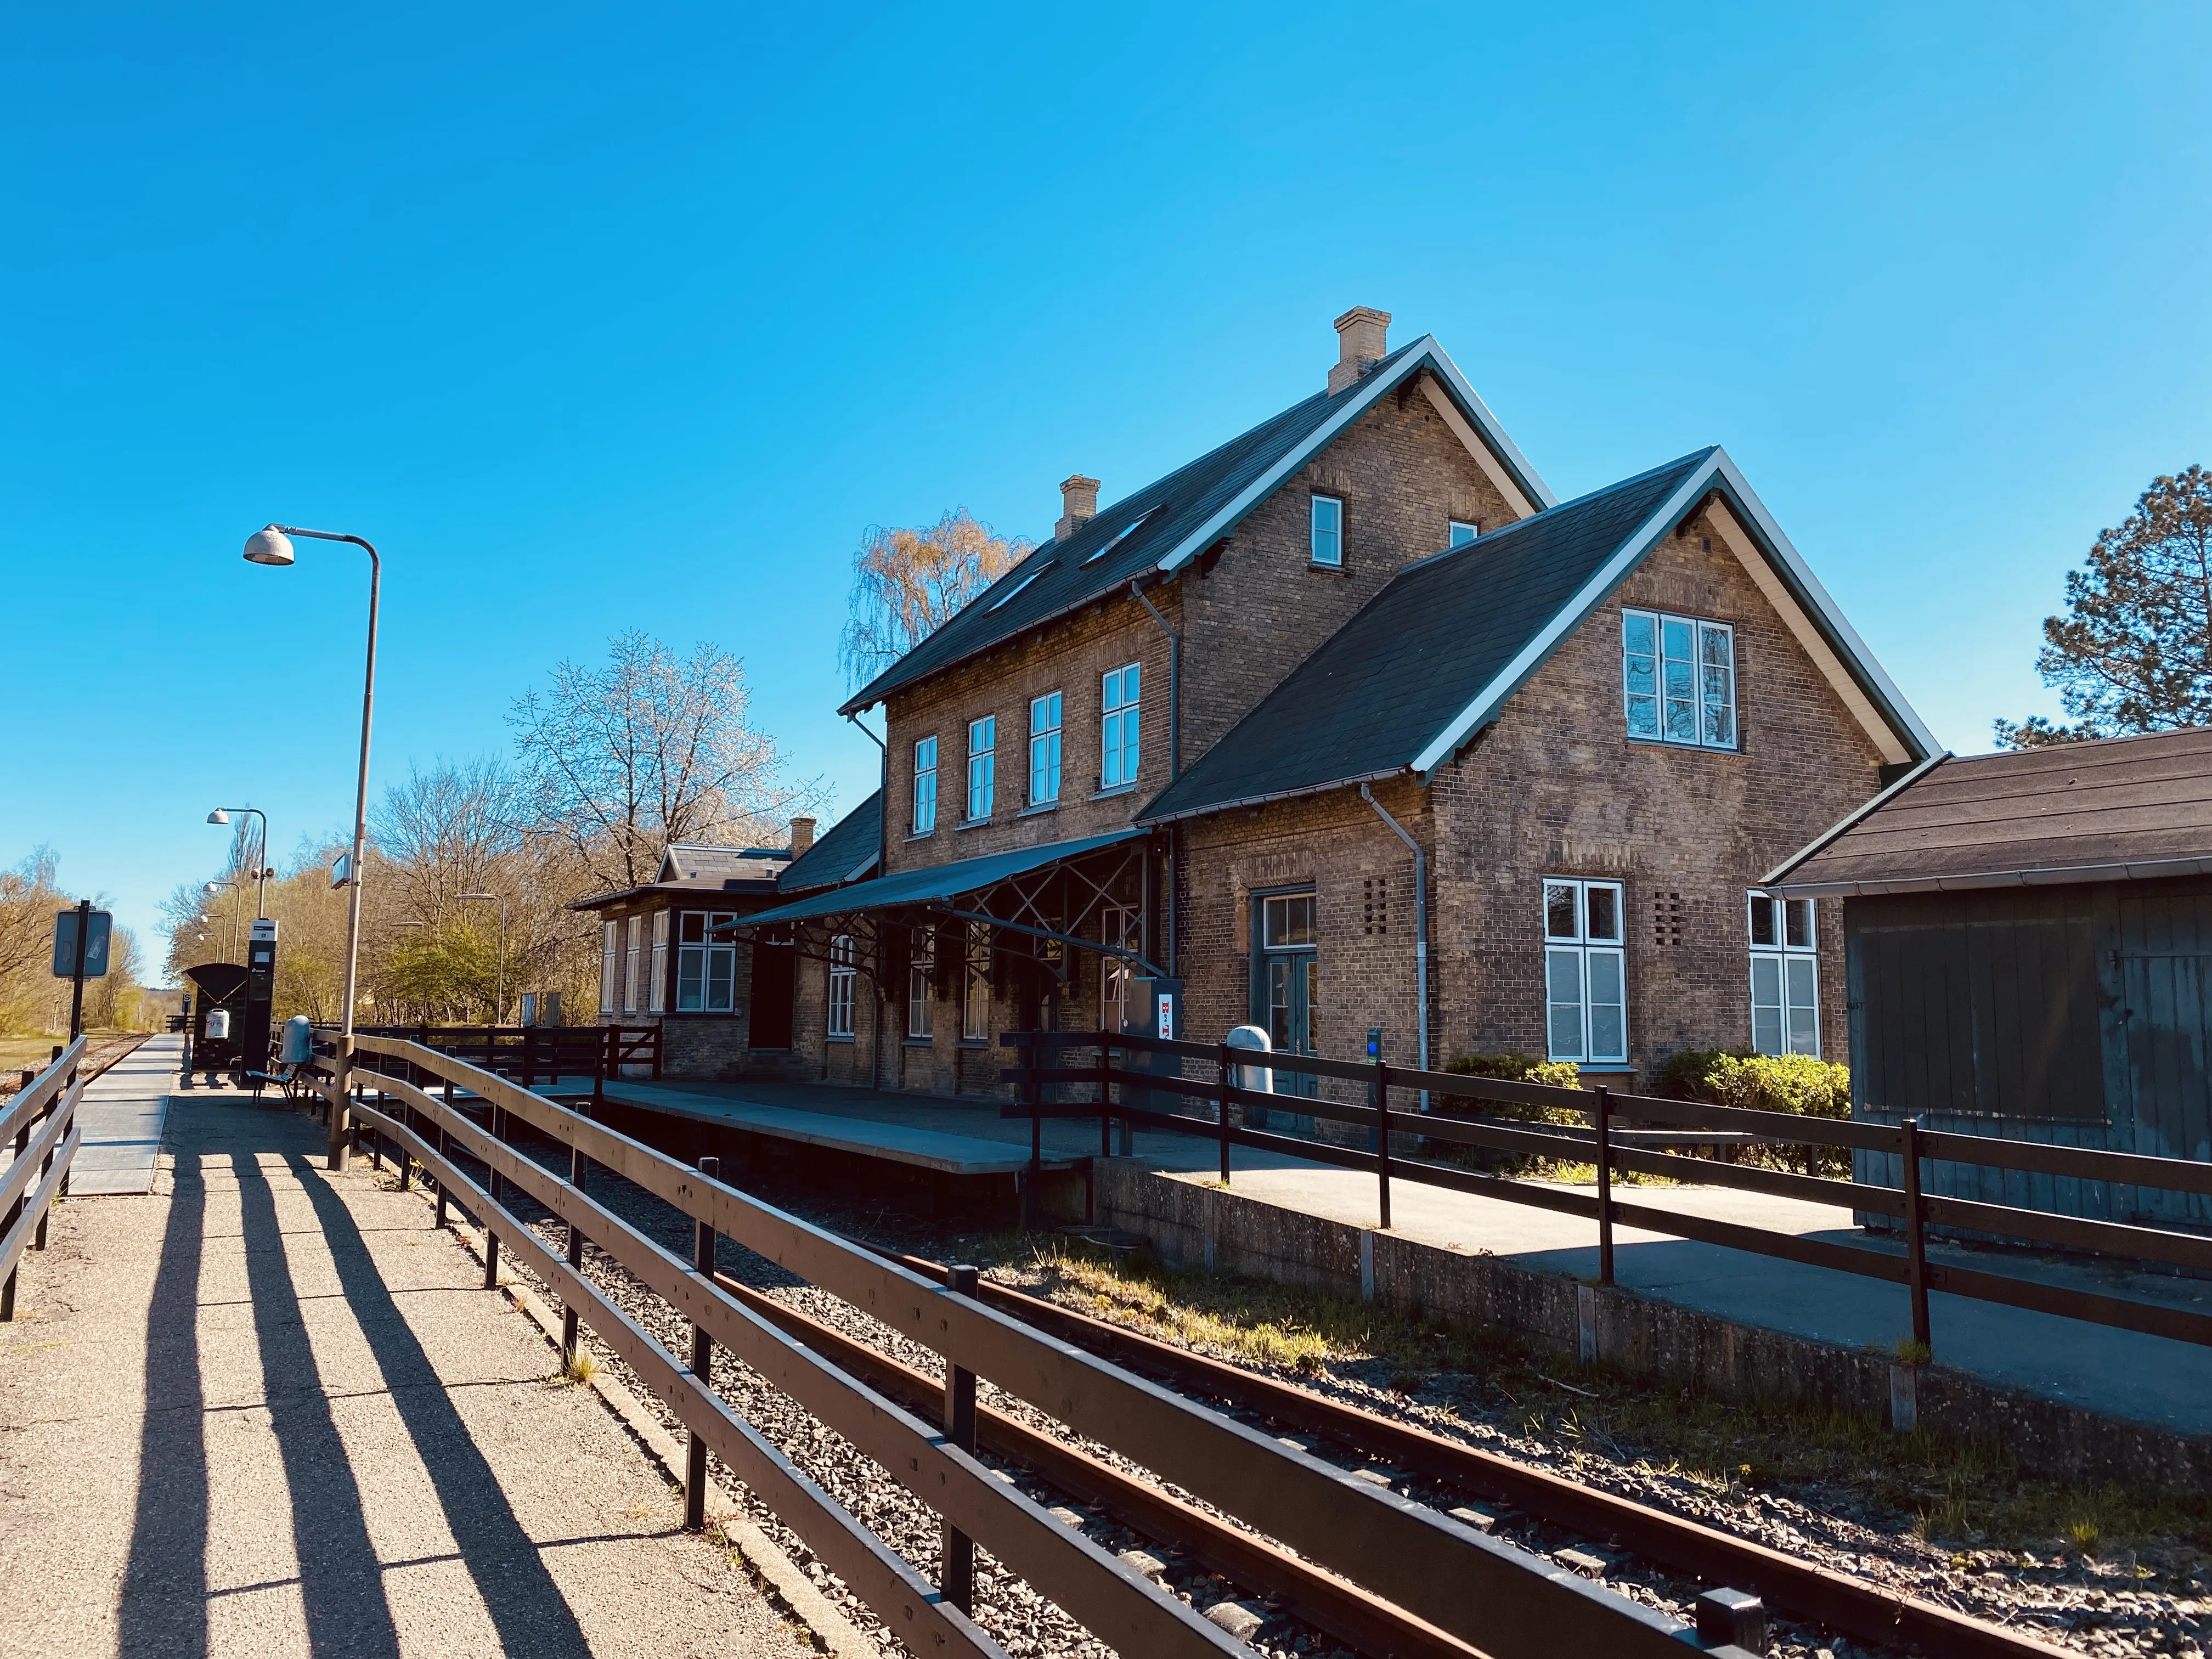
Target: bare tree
{"x": 907, "y": 584}
{"x": 623, "y": 759}
{"x": 29, "y": 895}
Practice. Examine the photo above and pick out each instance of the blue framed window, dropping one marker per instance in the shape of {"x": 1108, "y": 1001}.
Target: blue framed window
{"x": 1328, "y": 532}
{"x": 1119, "y": 696}
{"x": 924, "y": 786}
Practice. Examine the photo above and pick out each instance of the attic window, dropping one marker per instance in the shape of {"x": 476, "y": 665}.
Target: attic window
{"x": 1121, "y": 535}
{"x": 1004, "y": 597}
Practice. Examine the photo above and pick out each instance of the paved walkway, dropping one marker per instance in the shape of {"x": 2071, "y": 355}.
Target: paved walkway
{"x": 268, "y": 1411}
{"x": 121, "y": 1112}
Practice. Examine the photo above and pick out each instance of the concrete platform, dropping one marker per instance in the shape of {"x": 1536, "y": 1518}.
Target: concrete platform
{"x": 925, "y": 1146}
{"x": 270, "y": 1413}
{"x": 2125, "y": 1374}
{"x": 122, "y": 1112}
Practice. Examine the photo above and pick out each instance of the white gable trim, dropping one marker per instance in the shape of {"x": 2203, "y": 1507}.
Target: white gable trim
{"x": 1569, "y": 616}
{"x": 1861, "y": 660}
{"x": 1521, "y": 506}
{"x": 1856, "y": 670}
{"x": 1423, "y": 352}
{"x": 1809, "y": 638}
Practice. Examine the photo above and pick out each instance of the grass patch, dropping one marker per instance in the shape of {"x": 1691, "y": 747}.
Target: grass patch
{"x": 580, "y": 1367}
{"x": 1940, "y": 1489}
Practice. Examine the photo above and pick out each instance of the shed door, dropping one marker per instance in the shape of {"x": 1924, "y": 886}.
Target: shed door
{"x": 2167, "y": 1018}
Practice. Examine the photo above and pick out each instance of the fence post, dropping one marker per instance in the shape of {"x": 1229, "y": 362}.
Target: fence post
{"x": 1221, "y": 1107}
{"x": 702, "y": 1365}
{"x": 599, "y": 1071}
{"x": 1032, "y": 1183}
{"x": 1105, "y": 1100}
{"x": 529, "y": 1056}
{"x": 15, "y": 1212}
{"x": 1916, "y": 1243}
{"x": 492, "y": 1188}
{"x": 1604, "y": 1186}
{"x": 1382, "y": 1140}
{"x": 958, "y": 1577}
{"x": 38, "y": 1243}
{"x": 578, "y": 1165}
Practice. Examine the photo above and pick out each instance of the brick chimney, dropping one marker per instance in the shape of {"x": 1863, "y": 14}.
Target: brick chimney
{"x": 802, "y": 835}
{"x": 1079, "y": 501}
{"x": 1362, "y": 340}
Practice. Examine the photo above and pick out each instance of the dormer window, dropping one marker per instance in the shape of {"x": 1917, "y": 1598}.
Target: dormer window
{"x": 1328, "y": 530}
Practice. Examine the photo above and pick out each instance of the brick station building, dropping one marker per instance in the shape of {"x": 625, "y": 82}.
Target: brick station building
{"x": 1350, "y": 711}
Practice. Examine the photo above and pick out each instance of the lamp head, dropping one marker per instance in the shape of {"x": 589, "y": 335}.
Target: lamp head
{"x": 483, "y": 898}
{"x": 218, "y": 817}
{"x": 269, "y": 546}
{"x": 211, "y": 889}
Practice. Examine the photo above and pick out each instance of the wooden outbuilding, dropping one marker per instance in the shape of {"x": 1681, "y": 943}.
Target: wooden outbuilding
{"x": 2028, "y": 953}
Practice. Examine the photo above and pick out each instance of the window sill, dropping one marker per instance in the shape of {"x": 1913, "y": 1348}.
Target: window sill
{"x": 971, "y": 823}
{"x": 1600, "y": 1067}
{"x": 836, "y": 1037}
{"x": 1118, "y": 789}
{"x": 917, "y": 1042}
{"x": 1326, "y": 570}
{"x": 921, "y": 835}
{"x": 1042, "y": 807}
{"x": 1689, "y": 748}
{"x": 978, "y": 1044}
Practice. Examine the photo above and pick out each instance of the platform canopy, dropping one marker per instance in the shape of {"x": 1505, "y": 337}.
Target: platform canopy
{"x": 1045, "y": 896}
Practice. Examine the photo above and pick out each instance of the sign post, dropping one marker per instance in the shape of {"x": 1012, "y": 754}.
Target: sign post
{"x": 81, "y": 938}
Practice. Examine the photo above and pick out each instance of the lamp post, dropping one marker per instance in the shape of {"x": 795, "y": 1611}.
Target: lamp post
{"x": 272, "y": 545}
{"x": 214, "y": 887}
{"x": 222, "y": 815}
{"x": 499, "y": 1009}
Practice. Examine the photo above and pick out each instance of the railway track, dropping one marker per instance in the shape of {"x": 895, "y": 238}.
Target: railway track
{"x": 1799, "y": 1589}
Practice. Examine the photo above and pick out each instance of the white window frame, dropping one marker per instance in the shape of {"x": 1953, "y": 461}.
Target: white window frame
{"x": 656, "y": 990}
{"x": 982, "y": 767}
{"x": 842, "y": 977}
{"x": 925, "y": 786}
{"x": 921, "y": 995}
{"x": 1785, "y": 975}
{"x": 607, "y": 966}
{"x": 1712, "y": 685}
{"x": 1121, "y": 749}
{"x": 1454, "y": 538}
{"x": 696, "y": 959}
{"x": 1590, "y": 969}
{"x": 1045, "y": 712}
{"x": 976, "y": 985}
{"x": 631, "y": 965}
{"x": 1326, "y": 554}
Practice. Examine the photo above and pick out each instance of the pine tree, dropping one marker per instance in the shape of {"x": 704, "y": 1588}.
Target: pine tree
{"x": 2133, "y": 652}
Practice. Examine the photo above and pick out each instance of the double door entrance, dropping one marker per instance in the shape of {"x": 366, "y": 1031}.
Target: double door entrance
{"x": 1289, "y": 983}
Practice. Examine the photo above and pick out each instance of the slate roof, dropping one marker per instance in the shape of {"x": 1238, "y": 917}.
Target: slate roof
{"x": 1176, "y": 517}
{"x": 1380, "y": 690}
{"x": 841, "y": 854}
{"x": 694, "y": 861}
{"x": 2125, "y": 809}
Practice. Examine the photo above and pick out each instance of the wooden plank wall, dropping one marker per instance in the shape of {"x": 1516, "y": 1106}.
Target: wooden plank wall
{"x": 2078, "y": 1016}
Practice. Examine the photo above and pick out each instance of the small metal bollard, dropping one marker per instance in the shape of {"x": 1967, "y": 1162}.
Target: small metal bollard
{"x": 957, "y": 1578}
{"x": 1727, "y": 1617}
{"x": 702, "y": 1365}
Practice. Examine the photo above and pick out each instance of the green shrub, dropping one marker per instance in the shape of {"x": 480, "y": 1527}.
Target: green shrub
{"x": 1512, "y": 1067}
{"x": 1518, "y": 1068}
{"x": 1797, "y": 1084}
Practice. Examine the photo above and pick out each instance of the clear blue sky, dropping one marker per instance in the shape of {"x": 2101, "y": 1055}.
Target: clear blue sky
{"x": 595, "y": 319}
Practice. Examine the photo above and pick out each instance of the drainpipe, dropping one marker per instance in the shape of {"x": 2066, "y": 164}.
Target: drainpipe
{"x": 1175, "y": 763}
{"x": 1420, "y": 927}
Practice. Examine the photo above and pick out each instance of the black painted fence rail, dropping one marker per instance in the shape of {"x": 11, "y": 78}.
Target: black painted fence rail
{"x": 1615, "y": 1139}
{"x": 1476, "y": 1594}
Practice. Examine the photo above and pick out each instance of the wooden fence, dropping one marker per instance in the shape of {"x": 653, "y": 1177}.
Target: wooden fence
{"x": 41, "y": 1119}
{"x": 532, "y": 1053}
{"x": 1597, "y": 1142}
{"x": 1471, "y": 1593}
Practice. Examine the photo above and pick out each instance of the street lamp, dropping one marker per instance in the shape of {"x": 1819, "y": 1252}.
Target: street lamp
{"x": 499, "y": 1010}
{"x": 214, "y": 887}
{"x": 272, "y": 545}
{"x": 222, "y": 815}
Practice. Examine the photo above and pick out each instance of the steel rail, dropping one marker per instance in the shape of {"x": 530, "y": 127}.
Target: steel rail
{"x": 897, "y": 1593}
{"x": 1513, "y": 1605}
{"x": 1849, "y": 1605}
{"x": 1331, "y": 1604}
{"x": 1121, "y": 1607}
